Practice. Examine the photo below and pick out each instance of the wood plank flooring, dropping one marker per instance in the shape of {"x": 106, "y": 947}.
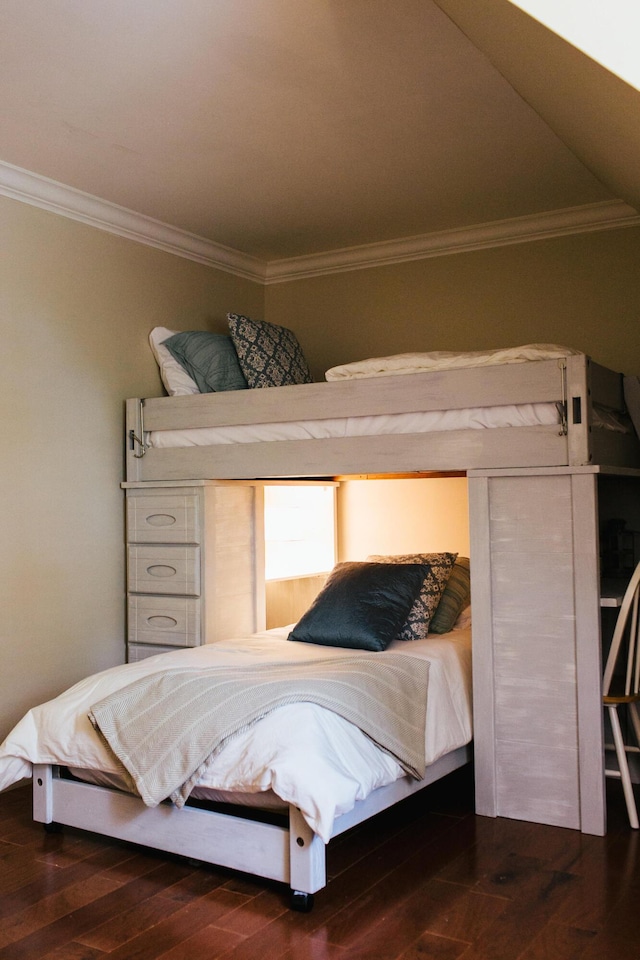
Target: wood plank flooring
{"x": 426, "y": 880}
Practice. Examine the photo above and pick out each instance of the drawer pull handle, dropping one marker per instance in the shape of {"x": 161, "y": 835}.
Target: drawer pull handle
{"x": 160, "y": 520}
{"x": 162, "y": 570}
{"x": 164, "y": 623}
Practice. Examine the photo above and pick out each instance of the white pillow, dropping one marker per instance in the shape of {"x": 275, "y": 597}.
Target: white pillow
{"x": 175, "y": 378}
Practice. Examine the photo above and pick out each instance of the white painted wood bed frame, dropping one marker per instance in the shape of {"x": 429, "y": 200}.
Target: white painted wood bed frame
{"x": 293, "y": 854}
{"x": 575, "y": 384}
{"x": 290, "y": 853}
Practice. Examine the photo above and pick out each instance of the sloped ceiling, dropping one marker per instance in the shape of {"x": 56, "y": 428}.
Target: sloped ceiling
{"x": 594, "y": 112}
{"x": 284, "y": 129}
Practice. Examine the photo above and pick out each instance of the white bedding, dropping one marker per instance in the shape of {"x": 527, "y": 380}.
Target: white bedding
{"x": 305, "y": 754}
{"x": 468, "y": 418}
{"x": 402, "y": 363}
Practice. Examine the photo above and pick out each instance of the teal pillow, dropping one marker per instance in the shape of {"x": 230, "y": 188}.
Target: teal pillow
{"x": 455, "y": 598}
{"x": 209, "y": 358}
{"x": 362, "y": 605}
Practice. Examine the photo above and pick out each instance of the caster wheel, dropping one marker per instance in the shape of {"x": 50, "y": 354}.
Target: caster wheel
{"x": 302, "y": 902}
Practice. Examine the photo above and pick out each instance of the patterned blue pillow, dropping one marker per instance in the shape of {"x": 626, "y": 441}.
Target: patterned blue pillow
{"x": 416, "y": 626}
{"x": 269, "y": 355}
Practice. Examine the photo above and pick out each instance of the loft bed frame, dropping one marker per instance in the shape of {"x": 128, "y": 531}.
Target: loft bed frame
{"x": 289, "y": 852}
{"x": 574, "y": 385}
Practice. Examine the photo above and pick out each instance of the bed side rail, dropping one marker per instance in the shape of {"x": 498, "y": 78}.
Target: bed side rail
{"x": 135, "y": 446}
{"x": 606, "y": 387}
{"x": 578, "y": 410}
{"x": 536, "y": 382}
{"x": 590, "y": 384}
{"x": 291, "y": 854}
{"x": 453, "y": 450}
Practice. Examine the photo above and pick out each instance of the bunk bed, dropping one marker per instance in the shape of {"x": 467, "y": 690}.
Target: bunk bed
{"x": 349, "y": 427}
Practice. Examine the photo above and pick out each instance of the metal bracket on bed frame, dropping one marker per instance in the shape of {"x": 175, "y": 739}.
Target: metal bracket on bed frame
{"x": 563, "y": 404}
{"x": 133, "y": 439}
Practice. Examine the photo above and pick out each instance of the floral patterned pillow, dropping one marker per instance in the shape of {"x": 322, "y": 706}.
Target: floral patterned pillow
{"x": 416, "y": 626}
{"x": 269, "y": 355}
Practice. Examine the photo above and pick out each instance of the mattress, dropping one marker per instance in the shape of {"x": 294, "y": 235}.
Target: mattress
{"x": 300, "y": 753}
{"x": 434, "y": 421}
{"x": 468, "y": 418}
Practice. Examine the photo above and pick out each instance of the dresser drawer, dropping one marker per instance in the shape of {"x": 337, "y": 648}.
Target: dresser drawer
{"x": 155, "y": 569}
{"x": 140, "y": 651}
{"x": 164, "y": 620}
{"x": 163, "y": 519}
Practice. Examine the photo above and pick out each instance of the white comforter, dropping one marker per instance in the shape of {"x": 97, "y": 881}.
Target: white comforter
{"x": 305, "y": 754}
{"x": 402, "y": 363}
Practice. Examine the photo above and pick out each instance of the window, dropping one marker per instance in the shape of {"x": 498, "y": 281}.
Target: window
{"x": 299, "y": 526}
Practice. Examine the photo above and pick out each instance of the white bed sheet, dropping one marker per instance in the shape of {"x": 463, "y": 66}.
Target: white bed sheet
{"x": 467, "y": 418}
{"x": 305, "y": 754}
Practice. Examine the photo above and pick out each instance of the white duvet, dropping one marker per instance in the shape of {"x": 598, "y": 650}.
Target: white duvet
{"x": 305, "y": 754}
{"x": 402, "y": 363}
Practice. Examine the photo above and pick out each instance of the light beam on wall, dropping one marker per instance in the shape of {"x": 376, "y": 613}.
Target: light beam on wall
{"x": 608, "y": 31}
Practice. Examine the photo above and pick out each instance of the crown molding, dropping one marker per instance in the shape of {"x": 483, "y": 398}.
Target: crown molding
{"x": 39, "y": 191}
{"x": 608, "y": 215}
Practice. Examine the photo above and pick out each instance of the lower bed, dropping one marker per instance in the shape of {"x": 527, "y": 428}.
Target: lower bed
{"x": 301, "y": 759}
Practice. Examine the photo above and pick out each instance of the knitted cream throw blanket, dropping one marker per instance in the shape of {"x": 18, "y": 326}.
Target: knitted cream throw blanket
{"x": 167, "y": 728}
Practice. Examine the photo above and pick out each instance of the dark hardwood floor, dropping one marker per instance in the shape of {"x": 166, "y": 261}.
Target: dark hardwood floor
{"x": 426, "y": 880}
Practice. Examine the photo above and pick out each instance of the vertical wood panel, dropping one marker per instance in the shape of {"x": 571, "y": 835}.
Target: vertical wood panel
{"x": 513, "y": 639}
{"x": 588, "y": 653}
{"x": 539, "y": 783}
{"x": 230, "y": 562}
{"x": 536, "y": 711}
{"x": 483, "y": 651}
{"x": 578, "y": 392}
{"x": 533, "y": 621}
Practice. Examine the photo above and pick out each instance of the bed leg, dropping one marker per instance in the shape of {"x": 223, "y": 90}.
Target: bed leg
{"x": 308, "y": 872}
{"x": 301, "y": 902}
{"x": 53, "y": 827}
{"x": 42, "y": 793}
{"x": 43, "y": 775}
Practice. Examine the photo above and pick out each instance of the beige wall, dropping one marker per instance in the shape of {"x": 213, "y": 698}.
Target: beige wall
{"x": 76, "y": 305}
{"x": 403, "y": 516}
{"x": 582, "y": 291}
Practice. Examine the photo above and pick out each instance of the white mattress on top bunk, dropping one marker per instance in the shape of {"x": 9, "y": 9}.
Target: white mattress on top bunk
{"x": 472, "y": 418}
{"x": 301, "y": 753}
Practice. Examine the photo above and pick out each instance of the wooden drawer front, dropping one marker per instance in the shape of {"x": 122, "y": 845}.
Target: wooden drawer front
{"x": 174, "y": 570}
{"x": 137, "y": 652}
{"x": 170, "y": 519}
{"x": 164, "y": 620}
